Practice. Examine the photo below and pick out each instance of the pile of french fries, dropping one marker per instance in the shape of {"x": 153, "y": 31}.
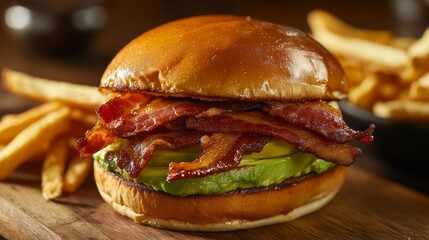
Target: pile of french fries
{"x": 48, "y": 131}
{"x": 388, "y": 75}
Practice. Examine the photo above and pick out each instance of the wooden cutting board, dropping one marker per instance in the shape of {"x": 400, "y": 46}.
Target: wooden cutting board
{"x": 367, "y": 207}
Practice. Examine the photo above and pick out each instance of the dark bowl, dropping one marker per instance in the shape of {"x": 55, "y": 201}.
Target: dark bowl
{"x": 399, "y": 143}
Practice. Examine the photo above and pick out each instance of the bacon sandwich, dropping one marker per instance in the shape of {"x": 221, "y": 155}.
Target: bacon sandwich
{"x": 218, "y": 123}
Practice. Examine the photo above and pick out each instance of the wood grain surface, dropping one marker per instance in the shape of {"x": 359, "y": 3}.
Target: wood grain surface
{"x": 367, "y": 207}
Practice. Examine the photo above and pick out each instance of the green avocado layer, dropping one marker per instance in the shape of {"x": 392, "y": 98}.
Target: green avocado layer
{"x": 277, "y": 162}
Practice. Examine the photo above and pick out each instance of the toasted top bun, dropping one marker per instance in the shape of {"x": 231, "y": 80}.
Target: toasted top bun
{"x": 220, "y": 57}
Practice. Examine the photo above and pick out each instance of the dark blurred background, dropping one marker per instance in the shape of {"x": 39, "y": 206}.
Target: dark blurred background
{"x": 74, "y": 40}
{"x": 56, "y": 39}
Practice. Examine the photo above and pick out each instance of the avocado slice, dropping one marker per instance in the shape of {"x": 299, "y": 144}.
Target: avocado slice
{"x": 273, "y": 148}
{"x": 252, "y": 171}
{"x": 163, "y": 155}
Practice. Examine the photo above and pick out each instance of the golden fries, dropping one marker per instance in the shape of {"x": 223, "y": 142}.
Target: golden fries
{"x": 320, "y": 21}
{"x": 11, "y": 125}
{"x": 48, "y": 131}
{"x": 357, "y": 46}
{"x": 77, "y": 171}
{"x": 402, "y": 42}
{"x": 403, "y": 110}
{"x": 419, "y": 90}
{"x": 47, "y": 90}
{"x": 27, "y": 142}
{"x": 53, "y": 169}
{"x": 8, "y": 117}
{"x": 84, "y": 117}
{"x": 388, "y": 75}
{"x": 419, "y": 50}
{"x": 365, "y": 94}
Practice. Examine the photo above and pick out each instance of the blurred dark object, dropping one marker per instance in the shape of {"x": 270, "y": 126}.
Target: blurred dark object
{"x": 403, "y": 145}
{"x": 411, "y": 16}
{"x": 55, "y": 27}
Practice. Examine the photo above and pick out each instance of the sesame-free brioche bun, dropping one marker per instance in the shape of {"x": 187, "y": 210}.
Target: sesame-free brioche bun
{"x": 239, "y": 209}
{"x": 219, "y": 57}
{"x": 223, "y": 57}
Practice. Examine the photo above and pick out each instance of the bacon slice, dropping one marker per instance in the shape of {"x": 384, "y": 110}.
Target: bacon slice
{"x": 154, "y": 114}
{"x": 218, "y": 108}
{"x": 94, "y": 140}
{"x": 256, "y": 122}
{"x": 137, "y": 152}
{"x": 221, "y": 152}
{"x": 176, "y": 125}
{"x": 312, "y": 127}
{"x": 321, "y": 118}
{"x": 121, "y": 105}
{"x": 129, "y": 114}
{"x": 161, "y": 111}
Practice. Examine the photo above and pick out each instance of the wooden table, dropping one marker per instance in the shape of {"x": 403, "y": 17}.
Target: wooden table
{"x": 367, "y": 207}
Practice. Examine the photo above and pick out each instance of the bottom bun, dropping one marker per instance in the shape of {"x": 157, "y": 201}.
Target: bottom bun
{"x": 239, "y": 209}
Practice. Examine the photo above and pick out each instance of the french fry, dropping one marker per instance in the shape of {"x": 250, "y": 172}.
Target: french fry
{"x": 419, "y": 90}
{"x": 378, "y": 56}
{"x": 13, "y": 124}
{"x": 354, "y": 72}
{"x": 53, "y": 169}
{"x": 365, "y": 46}
{"x": 8, "y": 117}
{"x": 322, "y": 20}
{"x": 402, "y": 42}
{"x": 77, "y": 171}
{"x": 365, "y": 94}
{"x": 48, "y": 90}
{"x": 26, "y": 143}
{"x": 388, "y": 75}
{"x": 411, "y": 73}
{"x": 402, "y": 110}
{"x": 87, "y": 118}
{"x": 419, "y": 50}
{"x": 389, "y": 87}
{"x": 388, "y": 90}
{"x": 27, "y": 136}
{"x": 40, "y": 155}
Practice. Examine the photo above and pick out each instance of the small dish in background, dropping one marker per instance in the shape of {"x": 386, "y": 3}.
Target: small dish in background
{"x": 399, "y": 143}
{"x": 59, "y": 28}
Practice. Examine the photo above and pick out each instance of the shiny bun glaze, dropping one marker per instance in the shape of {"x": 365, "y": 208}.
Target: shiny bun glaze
{"x": 219, "y": 57}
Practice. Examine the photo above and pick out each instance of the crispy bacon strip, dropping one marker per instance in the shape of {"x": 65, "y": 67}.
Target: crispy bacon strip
{"x": 131, "y": 113}
{"x": 176, "y": 125}
{"x": 138, "y": 118}
{"x": 161, "y": 111}
{"x": 218, "y": 108}
{"x": 135, "y": 155}
{"x": 122, "y": 105}
{"x": 156, "y": 113}
{"x": 99, "y": 136}
{"x": 256, "y": 122}
{"x": 94, "y": 140}
{"x": 221, "y": 152}
{"x": 321, "y": 118}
